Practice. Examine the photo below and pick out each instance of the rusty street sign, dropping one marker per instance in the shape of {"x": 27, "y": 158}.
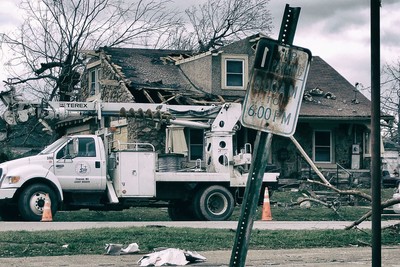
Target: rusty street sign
{"x": 276, "y": 87}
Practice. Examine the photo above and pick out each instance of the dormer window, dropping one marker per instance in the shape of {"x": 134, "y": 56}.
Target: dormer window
{"x": 234, "y": 72}
{"x": 94, "y": 81}
{"x": 94, "y": 75}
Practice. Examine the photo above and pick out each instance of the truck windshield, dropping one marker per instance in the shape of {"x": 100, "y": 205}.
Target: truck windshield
{"x": 54, "y": 146}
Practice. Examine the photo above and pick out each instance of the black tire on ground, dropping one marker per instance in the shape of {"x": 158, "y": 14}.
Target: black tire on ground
{"x": 31, "y": 202}
{"x": 9, "y": 213}
{"x": 181, "y": 211}
{"x": 214, "y": 203}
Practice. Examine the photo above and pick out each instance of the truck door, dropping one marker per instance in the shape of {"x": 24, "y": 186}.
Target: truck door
{"x": 80, "y": 171}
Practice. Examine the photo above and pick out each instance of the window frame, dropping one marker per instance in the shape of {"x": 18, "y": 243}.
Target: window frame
{"x": 94, "y": 80}
{"x": 330, "y": 146}
{"x": 367, "y": 143}
{"x": 224, "y": 73}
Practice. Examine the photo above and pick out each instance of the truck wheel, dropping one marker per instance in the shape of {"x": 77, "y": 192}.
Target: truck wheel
{"x": 9, "y": 213}
{"x": 214, "y": 203}
{"x": 31, "y": 201}
{"x": 180, "y": 211}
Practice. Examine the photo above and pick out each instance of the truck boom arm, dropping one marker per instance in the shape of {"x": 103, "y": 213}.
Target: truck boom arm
{"x": 222, "y": 117}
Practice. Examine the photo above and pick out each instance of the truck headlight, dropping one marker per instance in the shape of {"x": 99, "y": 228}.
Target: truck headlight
{"x": 13, "y": 179}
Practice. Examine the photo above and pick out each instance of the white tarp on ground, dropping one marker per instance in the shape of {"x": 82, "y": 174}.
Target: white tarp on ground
{"x": 161, "y": 257}
{"x": 170, "y": 256}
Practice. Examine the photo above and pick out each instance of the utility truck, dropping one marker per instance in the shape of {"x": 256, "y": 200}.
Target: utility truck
{"x": 98, "y": 172}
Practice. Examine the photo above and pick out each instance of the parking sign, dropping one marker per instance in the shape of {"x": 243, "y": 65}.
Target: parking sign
{"x": 276, "y": 87}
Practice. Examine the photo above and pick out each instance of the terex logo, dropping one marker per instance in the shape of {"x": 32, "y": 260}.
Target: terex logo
{"x": 75, "y": 105}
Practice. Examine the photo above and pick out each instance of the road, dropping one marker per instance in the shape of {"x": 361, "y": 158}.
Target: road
{"x": 261, "y": 225}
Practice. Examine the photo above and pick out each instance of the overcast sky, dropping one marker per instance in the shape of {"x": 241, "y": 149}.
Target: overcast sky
{"x": 338, "y": 31}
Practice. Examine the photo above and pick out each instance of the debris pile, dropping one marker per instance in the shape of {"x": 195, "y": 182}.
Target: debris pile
{"x": 317, "y": 92}
{"x": 160, "y": 257}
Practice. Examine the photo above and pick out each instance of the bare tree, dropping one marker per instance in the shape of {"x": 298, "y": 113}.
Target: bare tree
{"x": 180, "y": 39}
{"x": 390, "y": 98}
{"x": 219, "y": 22}
{"x": 49, "y": 42}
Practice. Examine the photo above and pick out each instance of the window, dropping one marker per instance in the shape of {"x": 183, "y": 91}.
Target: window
{"x": 367, "y": 143}
{"x": 322, "y": 146}
{"x": 86, "y": 147}
{"x": 66, "y": 151}
{"x": 94, "y": 81}
{"x": 234, "y": 72}
{"x": 196, "y": 143}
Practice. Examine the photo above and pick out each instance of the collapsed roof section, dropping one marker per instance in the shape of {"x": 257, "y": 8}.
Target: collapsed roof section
{"x": 152, "y": 76}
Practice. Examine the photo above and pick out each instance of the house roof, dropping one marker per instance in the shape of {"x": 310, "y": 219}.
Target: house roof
{"x": 153, "y": 70}
{"x": 329, "y": 94}
{"x": 149, "y": 67}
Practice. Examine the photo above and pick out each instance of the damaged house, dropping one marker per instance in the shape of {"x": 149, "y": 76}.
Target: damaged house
{"x": 333, "y": 126}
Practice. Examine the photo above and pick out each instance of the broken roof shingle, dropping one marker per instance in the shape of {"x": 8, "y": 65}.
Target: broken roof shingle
{"x": 327, "y": 79}
{"x": 146, "y": 67}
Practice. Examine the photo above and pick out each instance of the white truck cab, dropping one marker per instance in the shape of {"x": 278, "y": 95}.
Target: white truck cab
{"x": 69, "y": 164}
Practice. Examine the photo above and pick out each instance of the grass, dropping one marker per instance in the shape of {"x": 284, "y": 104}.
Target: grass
{"x": 93, "y": 241}
{"x": 315, "y": 213}
{"x": 280, "y": 212}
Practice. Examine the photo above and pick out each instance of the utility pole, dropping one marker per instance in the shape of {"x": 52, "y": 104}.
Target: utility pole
{"x": 375, "y": 133}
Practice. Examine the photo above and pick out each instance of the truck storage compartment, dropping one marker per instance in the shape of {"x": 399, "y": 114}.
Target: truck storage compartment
{"x": 134, "y": 173}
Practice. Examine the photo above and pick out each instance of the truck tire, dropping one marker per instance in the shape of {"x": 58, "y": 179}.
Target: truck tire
{"x": 31, "y": 201}
{"x": 214, "y": 203}
{"x": 180, "y": 211}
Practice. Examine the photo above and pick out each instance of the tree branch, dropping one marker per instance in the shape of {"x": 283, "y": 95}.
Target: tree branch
{"x": 342, "y": 192}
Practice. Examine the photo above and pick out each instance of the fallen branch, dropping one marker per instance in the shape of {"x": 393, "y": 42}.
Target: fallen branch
{"x": 309, "y": 161}
{"x": 343, "y": 192}
{"x": 384, "y": 205}
{"x": 327, "y": 184}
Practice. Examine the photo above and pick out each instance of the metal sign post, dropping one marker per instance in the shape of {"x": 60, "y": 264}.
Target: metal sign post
{"x": 250, "y": 201}
{"x": 271, "y": 105}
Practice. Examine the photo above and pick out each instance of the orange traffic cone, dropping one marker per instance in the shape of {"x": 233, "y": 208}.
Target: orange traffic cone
{"x": 266, "y": 211}
{"x": 46, "y": 216}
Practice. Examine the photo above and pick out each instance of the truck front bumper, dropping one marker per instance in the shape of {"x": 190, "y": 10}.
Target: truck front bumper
{"x": 7, "y": 193}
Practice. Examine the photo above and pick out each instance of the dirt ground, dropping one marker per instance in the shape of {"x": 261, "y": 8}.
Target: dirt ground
{"x": 350, "y": 256}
